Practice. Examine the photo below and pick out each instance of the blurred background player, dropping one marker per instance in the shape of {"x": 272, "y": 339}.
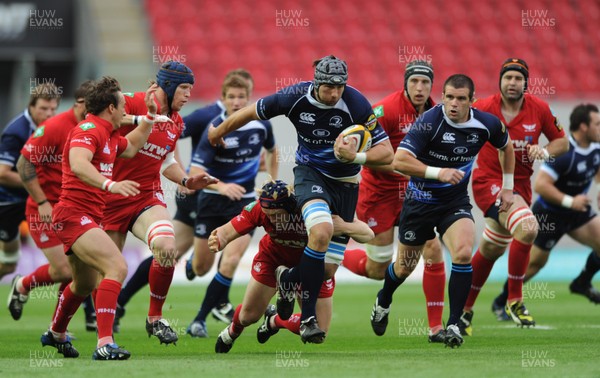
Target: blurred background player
{"x": 323, "y": 184}
{"x": 88, "y": 160}
{"x": 526, "y": 117}
{"x": 382, "y": 191}
{"x": 146, "y": 215}
{"x": 438, "y": 153}
{"x": 43, "y": 101}
{"x": 40, "y": 169}
{"x": 564, "y": 206}
{"x": 186, "y": 200}
{"x": 236, "y": 165}
{"x": 277, "y": 211}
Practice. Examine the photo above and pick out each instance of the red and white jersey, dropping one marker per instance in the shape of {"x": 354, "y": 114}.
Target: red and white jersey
{"x": 98, "y": 136}
{"x": 289, "y": 237}
{"x": 534, "y": 119}
{"x": 395, "y": 114}
{"x": 44, "y": 149}
{"x": 144, "y": 167}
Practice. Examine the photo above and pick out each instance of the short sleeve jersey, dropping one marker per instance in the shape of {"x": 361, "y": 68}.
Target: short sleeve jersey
{"x": 437, "y": 141}
{"x": 534, "y": 119}
{"x": 199, "y": 120}
{"x": 318, "y": 125}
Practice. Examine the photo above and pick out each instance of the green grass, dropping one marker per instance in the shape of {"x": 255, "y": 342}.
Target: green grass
{"x": 565, "y": 343}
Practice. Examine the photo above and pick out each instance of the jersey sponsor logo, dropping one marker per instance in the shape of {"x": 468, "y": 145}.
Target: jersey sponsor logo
{"x": 378, "y": 110}
{"x": 529, "y": 128}
{"x": 520, "y": 144}
{"x": 86, "y": 126}
{"x": 250, "y": 206}
{"x": 410, "y": 236}
{"x": 257, "y": 267}
{"x": 39, "y": 131}
{"x": 460, "y": 150}
{"x": 448, "y": 138}
{"x": 494, "y": 189}
{"x": 254, "y": 139}
{"x": 289, "y": 243}
{"x": 128, "y": 94}
{"x": 371, "y": 122}
{"x": 316, "y": 189}
{"x": 106, "y": 169}
{"x": 85, "y": 220}
{"x": 321, "y": 133}
{"x": 85, "y": 140}
{"x": 232, "y": 142}
{"x": 106, "y": 149}
{"x": 307, "y": 118}
{"x": 155, "y": 149}
{"x": 462, "y": 212}
{"x": 335, "y": 121}
{"x": 243, "y": 152}
{"x": 474, "y": 138}
{"x": 581, "y": 166}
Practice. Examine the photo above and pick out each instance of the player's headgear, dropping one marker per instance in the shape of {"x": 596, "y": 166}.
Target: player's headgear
{"x": 277, "y": 195}
{"x": 417, "y": 68}
{"x": 170, "y": 75}
{"x": 515, "y": 64}
{"x": 330, "y": 70}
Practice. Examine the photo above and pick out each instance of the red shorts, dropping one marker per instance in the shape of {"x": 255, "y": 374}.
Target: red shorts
{"x": 42, "y": 233}
{"x": 380, "y": 209}
{"x": 70, "y": 223}
{"x": 265, "y": 263}
{"x": 119, "y": 215}
{"x": 486, "y": 189}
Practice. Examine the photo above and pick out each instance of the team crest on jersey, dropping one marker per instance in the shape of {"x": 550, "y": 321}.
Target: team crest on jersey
{"x": 39, "y": 131}
{"x": 494, "y": 189}
{"x": 371, "y": 122}
{"x": 171, "y": 135}
{"x": 86, "y": 126}
{"x": 106, "y": 149}
{"x": 529, "y": 128}
{"x": 336, "y": 121}
{"x": 582, "y": 166}
{"x": 257, "y": 267}
{"x": 474, "y": 137}
{"x": 85, "y": 220}
{"x": 372, "y": 222}
{"x": 254, "y": 139}
{"x": 378, "y": 110}
{"x": 44, "y": 238}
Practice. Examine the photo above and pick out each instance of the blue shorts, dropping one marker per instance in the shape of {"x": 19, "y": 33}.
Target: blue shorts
{"x": 215, "y": 210}
{"x": 186, "y": 208}
{"x": 11, "y": 216}
{"x": 552, "y": 225}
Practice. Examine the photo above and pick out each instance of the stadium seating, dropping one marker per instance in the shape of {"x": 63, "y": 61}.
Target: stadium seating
{"x": 218, "y": 36}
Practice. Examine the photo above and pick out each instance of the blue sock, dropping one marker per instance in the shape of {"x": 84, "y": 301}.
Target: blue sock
{"x": 458, "y": 290}
{"x": 390, "y": 284}
{"x": 136, "y": 282}
{"x": 88, "y": 306}
{"x": 592, "y": 265}
{"x": 312, "y": 271}
{"x": 219, "y": 285}
{"x": 503, "y": 297}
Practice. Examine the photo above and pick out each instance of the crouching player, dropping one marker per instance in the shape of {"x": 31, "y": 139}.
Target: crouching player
{"x": 277, "y": 211}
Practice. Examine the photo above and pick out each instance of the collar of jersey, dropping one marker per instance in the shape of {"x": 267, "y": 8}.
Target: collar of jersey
{"x": 32, "y": 124}
{"x": 584, "y": 151}
{"x": 451, "y": 123}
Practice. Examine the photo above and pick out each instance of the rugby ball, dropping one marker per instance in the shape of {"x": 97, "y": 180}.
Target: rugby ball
{"x": 360, "y": 134}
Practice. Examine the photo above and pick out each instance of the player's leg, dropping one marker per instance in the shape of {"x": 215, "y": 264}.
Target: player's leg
{"x": 588, "y": 235}
{"x": 155, "y": 228}
{"x": 11, "y": 217}
{"x": 256, "y": 299}
{"x": 373, "y": 262}
{"x": 434, "y": 286}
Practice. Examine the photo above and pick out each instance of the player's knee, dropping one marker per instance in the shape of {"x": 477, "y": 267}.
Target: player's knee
{"x": 62, "y": 273}
{"x": 522, "y": 225}
{"x": 462, "y": 254}
{"x": 229, "y": 264}
{"x": 7, "y": 268}
{"x": 330, "y": 270}
{"x": 201, "y": 267}
{"x": 319, "y": 224}
{"x": 376, "y": 270}
{"x": 249, "y": 316}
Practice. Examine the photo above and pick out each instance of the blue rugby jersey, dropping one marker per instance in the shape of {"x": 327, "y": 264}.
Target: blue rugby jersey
{"x": 238, "y": 161}
{"x": 14, "y": 137}
{"x": 573, "y": 172}
{"x": 198, "y": 120}
{"x": 318, "y": 125}
{"x": 437, "y": 141}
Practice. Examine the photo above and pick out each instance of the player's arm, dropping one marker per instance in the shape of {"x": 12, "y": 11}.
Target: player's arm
{"x": 272, "y": 162}
{"x": 231, "y": 123}
{"x": 173, "y": 171}
{"x": 221, "y": 236}
{"x": 139, "y": 136}
{"x": 28, "y": 175}
{"x": 357, "y": 230}
{"x": 553, "y": 149}
{"x": 597, "y": 181}
{"x": 407, "y": 164}
{"x": 8, "y": 177}
{"x": 80, "y": 160}
{"x": 380, "y": 154}
{"x": 545, "y": 186}
{"x": 506, "y": 156}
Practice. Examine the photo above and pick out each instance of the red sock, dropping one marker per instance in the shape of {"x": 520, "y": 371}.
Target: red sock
{"x": 159, "y": 280}
{"x": 106, "y": 304}
{"x": 236, "y": 327}
{"x": 481, "y": 271}
{"x": 39, "y": 277}
{"x": 292, "y": 324}
{"x": 67, "y": 306}
{"x": 94, "y": 293}
{"x": 61, "y": 289}
{"x": 518, "y": 259}
{"x": 355, "y": 260}
{"x": 434, "y": 285}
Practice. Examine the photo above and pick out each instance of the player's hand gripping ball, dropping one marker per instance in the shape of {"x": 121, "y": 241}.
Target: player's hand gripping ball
{"x": 360, "y": 135}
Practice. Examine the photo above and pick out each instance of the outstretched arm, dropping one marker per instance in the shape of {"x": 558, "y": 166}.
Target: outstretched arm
{"x": 357, "y": 230}
{"x": 231, "y": 123}
{"x": 221, "y": 236}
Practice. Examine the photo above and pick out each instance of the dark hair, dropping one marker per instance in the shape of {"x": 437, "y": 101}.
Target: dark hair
{"x": 235, "y": 81}
{"x": 83, "y": 89}
{"x": 581, "y": 114}
{"x": 46, "y": 91}
{"x": 460, "y": 81}
{"x": 102, "y": 93}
